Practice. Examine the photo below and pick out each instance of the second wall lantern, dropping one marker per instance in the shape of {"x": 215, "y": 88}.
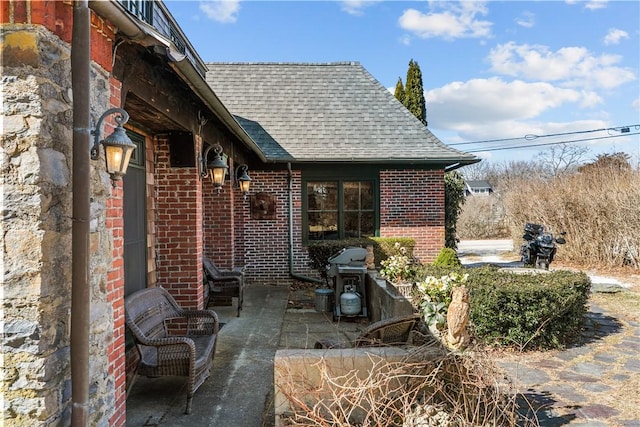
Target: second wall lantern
{"x": 216, "y": 169}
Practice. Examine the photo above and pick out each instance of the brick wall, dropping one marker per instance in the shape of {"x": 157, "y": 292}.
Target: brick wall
{"x": 178, "y": 229}
{"x": 219, "y": 223}
{"x": 412, "y": 205}
{"x": 265, "y": 242}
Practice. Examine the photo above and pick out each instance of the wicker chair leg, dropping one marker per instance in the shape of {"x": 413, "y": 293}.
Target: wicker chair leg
{"x": 189, "y": 399}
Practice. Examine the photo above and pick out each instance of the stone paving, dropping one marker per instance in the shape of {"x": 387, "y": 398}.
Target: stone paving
{"x": 583, "y": 385}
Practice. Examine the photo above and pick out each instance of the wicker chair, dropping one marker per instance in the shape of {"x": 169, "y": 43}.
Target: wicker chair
{"x": 147, "y": 314}
{"x": 223, "y": 283}
{"x": 389, "y": 332}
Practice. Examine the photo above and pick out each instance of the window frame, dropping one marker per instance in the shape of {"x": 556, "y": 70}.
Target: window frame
{"x": 340, "y": 180}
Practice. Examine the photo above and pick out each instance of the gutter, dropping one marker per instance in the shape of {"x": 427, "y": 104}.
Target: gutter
{"x": 291, "y": 272}
{"x": 80, "y": 283}
{"x": 144, "y": 34}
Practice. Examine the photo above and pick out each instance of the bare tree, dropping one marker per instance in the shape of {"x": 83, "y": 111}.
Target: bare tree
{"x": 562, "y": 159}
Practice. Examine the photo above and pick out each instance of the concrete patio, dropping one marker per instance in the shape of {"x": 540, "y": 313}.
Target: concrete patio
{"x": 240, "y": 389}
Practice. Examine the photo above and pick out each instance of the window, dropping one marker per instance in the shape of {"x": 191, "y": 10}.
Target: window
{"x": 340, "y": 209}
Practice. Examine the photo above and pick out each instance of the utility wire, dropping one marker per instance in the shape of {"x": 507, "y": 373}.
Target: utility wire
{"x": 549, "y": 143}
{"x": 530, "y": 137}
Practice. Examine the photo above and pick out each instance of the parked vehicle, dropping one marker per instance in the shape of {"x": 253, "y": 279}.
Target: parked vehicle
{"x": 539, "y": 247}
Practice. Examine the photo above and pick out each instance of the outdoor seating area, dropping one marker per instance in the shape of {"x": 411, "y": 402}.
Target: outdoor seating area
{"x": 172, "y": 341}
{"x": 223, "y": 284}
{"x": 247, "y": 350}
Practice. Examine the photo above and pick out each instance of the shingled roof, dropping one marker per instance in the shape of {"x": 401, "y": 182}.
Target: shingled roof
{"x": 333, "y": 112}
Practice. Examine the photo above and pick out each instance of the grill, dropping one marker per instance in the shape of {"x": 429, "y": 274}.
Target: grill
{"x": 347, "y": 269}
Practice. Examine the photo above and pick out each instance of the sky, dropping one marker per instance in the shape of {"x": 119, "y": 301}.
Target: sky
{"x": 504, "y": 80}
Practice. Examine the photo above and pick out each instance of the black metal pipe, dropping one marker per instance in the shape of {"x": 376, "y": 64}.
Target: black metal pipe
{"x": 80, "y": 288}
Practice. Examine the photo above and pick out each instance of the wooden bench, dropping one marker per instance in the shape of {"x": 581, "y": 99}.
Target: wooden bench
{"x": 223, "y": 283}
{"x": 152, "y": 314}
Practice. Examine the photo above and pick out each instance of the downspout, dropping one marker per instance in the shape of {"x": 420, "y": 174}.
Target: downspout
{"x": 80, "y": 289}
{"x": 291, "y": 272}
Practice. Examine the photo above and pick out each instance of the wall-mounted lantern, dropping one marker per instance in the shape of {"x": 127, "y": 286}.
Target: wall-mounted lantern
{"x": 243, "y": 180}
{"x": 117, "y": 146}
{"x": 216, "y": 169}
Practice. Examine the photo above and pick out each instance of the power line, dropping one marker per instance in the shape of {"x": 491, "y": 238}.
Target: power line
{"x": 550, "y": 143}
{"x": 624, "y": 130}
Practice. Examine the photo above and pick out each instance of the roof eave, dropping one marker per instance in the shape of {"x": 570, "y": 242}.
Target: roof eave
{"x": 135, "y": 30}
{"x": 448, "y": 163}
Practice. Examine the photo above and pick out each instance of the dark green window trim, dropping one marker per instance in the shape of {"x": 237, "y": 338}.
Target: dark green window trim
{"x": 339, "y": 182}
{"x": 137, "y": 158}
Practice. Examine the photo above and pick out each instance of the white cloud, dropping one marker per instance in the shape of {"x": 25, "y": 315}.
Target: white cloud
{"x": 356, "y": 7}
{"x": 570, "y": 66}
{"x": 591, "y": 4}
{"x": 455, "y": 20}
{"x": 614, "y": 36}
{"x": 463, "y": 106}
{"x": 224, "y": 11}
{"x": 636, "y": 104}
{"x": 596, "y": 4}
{"x": 526, "y": 19}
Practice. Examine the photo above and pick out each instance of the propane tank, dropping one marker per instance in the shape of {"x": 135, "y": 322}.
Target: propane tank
{"x": 350, "y": 303}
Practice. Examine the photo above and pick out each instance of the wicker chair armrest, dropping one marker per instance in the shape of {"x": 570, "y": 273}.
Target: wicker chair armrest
{"x": 231, "y": 274}
{"x": 167, "y": 341}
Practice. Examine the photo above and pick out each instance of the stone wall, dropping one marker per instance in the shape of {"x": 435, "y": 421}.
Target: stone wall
{"x": 35, "y": 158}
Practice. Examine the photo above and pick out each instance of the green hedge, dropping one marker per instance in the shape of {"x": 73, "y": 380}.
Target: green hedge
{"x": 527, "y": 311}
{"x": 383, "y": 248}
{"x": 544, "y": 310}
{"x": 447, "y": 258}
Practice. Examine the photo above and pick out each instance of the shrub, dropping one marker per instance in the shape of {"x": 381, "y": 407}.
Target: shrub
{"x": 598, "y": 208}
{"x": 533, "y": 311}
{"x": 389, "y": 246}
{"x": 453, "y": 201}
{"x": 400, "y": 267}
{"x": 483, "y": 217}
{"x": 447, "y": 258}
{"x": 319, "y": 252}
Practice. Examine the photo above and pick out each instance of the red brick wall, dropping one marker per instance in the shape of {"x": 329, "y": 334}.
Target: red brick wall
{"x": 265, "y": 243}
{"x": 219, "y": 224}
{"x": 179, "y": 229}
{"x": 412, "y": 205}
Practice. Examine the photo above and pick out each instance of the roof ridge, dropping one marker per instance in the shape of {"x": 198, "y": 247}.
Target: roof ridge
{"x": 287, "y": 63}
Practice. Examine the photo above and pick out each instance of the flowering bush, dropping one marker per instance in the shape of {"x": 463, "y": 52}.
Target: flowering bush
{"x": 435, "y": 296}
{"x": 398, "y": 268}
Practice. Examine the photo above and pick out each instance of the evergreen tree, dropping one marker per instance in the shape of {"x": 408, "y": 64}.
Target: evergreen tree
{"x": 453, "y": 201}
{"x": 414, "y": 93}
{"x": 399, "y": 93}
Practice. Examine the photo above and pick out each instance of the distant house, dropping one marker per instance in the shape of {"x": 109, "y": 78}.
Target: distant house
{"x": 477, "y": 187}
